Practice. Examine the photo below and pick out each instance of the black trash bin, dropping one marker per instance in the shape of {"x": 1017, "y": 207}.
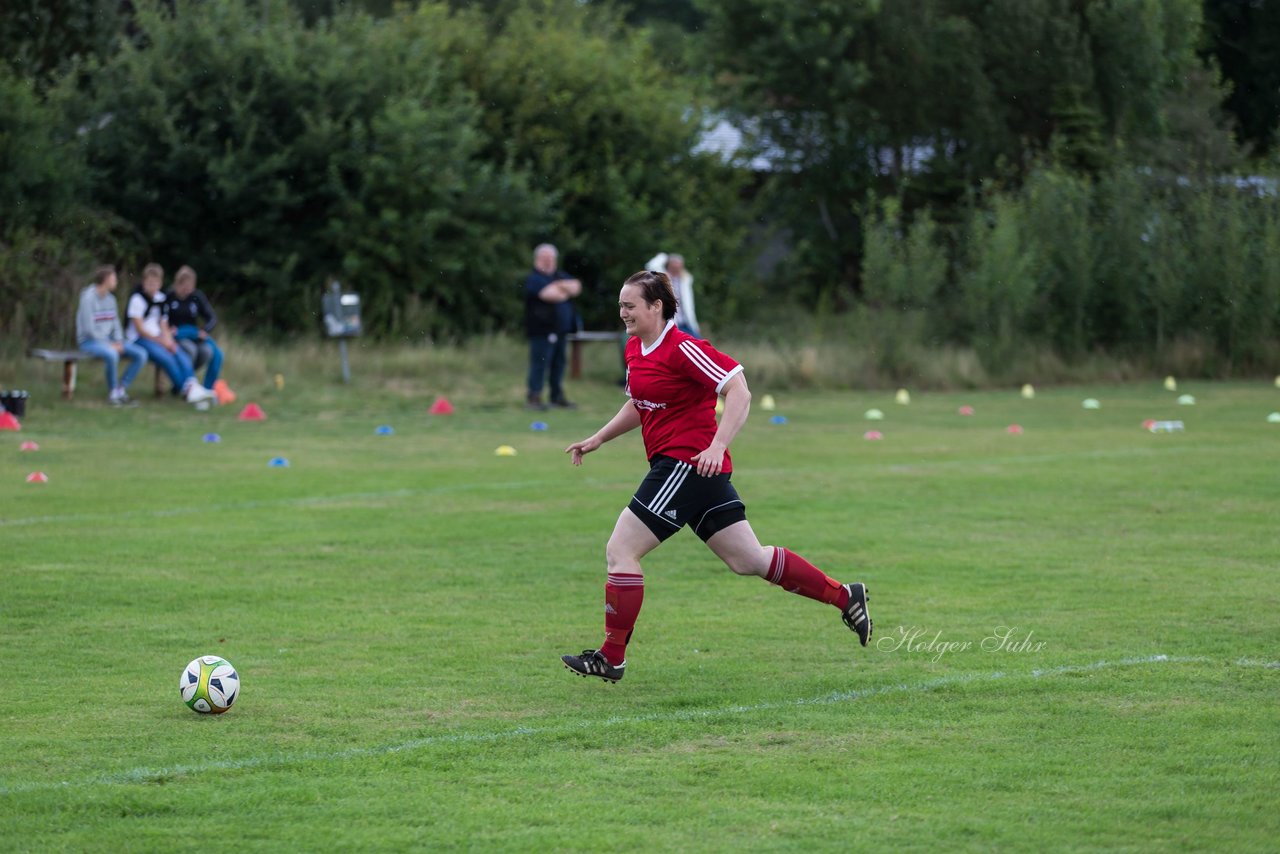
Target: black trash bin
{"x": 15, "y": 402}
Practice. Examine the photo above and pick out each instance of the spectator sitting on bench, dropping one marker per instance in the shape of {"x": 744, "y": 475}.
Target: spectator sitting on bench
{"x": 150, "y": 330}
{"x": 192, "y": 320}
{"x": 98, "y": 333}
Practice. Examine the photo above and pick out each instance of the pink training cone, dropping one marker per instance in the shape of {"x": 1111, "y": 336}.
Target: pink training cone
{"x": 966, "y": 410}
{"x": 28, "y": 446}
{"x": 873, "y": 435}
{"x": 1014, "y": 429}
{"x": 37, "y": 477}
{"x": 442, "y": 406}
{"x": 8, "y": 422}
{"x": 252, "y": 412}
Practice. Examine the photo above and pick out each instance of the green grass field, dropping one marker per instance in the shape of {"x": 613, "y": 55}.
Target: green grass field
{"x": 396, "y": 606}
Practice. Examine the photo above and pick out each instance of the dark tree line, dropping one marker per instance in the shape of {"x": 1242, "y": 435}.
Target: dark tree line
{"x": 1001, "y": 174}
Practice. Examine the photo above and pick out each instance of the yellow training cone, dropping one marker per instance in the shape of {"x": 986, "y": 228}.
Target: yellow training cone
{"x": 767, "y": 403}
{"x": 903, "y": 396}
{"x": 1170, "y": 384}
{"x": 505, "y": 451}
{"x": 1028, "y": 392}
{"x": 279, "y": 382}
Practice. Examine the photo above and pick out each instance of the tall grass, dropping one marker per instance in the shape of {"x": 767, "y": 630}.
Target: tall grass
{"x": 826, "y": 354}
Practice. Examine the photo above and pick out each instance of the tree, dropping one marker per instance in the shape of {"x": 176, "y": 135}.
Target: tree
{"x": 40, "y": 38}
{"x": 287, "y": 155}
{"x": 1243, "y": 37}
{"x": 576, "y": 101}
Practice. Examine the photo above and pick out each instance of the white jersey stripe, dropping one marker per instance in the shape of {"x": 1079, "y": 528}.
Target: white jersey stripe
{"x": 703, "y": 361}
{"x": 669, "y": 488}
{"x": 737, "y": 369}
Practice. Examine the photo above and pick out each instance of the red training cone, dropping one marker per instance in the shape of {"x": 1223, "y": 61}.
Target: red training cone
{"x": 37, "y": 477}
{"x": 29, "y": 446}
{"x": 8, "y": 422}
{"x": 252, "y": 412}
{"x": 442, "y": 406}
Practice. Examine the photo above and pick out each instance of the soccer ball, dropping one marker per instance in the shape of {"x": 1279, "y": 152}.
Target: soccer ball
{"x": 209, "y": 685}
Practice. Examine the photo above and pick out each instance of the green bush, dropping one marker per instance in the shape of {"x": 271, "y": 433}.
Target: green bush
{"x": 272, "y": 157}
{"x": 417, "y": 158}
{"x": 998, "y": 285}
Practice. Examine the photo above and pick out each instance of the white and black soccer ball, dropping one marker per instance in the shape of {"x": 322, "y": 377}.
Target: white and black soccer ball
{"x": 209, "y": 685}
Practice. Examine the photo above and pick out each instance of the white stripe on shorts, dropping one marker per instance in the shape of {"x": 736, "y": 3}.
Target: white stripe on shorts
{"x": 669, "y": 489}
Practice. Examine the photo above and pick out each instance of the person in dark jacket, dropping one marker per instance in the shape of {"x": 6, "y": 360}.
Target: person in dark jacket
{"x": 192, "y": 320}
{"x": 549, "y": 316}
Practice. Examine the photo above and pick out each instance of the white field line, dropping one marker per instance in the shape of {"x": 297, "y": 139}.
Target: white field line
{"x": 148, "y": 775}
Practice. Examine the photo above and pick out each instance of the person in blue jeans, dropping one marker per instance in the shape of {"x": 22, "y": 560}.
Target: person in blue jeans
{"x": 149, "y": 329}
{"x": 549, "y": 316}
{"x": 192, "y": 319}
{"x": 98, "y": 333}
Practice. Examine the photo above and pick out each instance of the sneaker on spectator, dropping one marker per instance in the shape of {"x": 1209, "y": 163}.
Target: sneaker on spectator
{"x": 195, "y": 393}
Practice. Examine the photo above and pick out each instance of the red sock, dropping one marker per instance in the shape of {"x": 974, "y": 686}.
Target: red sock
{"x": 796, "y": 575}
{"x": 623, "y": 596}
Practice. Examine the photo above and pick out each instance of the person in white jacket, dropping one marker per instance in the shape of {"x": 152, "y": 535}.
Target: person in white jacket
{"x": 682, "y": 284}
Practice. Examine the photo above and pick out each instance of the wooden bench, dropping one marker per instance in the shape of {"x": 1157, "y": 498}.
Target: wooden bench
{"x": 69, "y": 360}
{"x": 577, "y": 339}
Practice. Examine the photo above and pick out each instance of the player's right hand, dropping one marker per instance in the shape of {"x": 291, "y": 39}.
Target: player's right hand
{"x": 578, "y": 449}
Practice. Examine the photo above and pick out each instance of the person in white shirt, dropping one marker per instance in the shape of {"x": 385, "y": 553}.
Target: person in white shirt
{"x": 149, "y": 329}
{"x": 682, "y": 284}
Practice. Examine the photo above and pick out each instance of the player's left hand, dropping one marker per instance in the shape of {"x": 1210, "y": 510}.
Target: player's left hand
{"x": 711, "y": 461}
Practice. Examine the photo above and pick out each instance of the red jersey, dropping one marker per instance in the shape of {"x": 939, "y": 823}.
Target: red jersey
{"x": 674, "y": 385}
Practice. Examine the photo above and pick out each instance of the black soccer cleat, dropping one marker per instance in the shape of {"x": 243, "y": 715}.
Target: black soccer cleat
{"x": 855, "y": 614}
{"x": 593, "y": 663}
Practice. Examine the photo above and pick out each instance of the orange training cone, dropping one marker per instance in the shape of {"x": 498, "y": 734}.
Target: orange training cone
{"x": 252, "y": 412}
{"x": 442, "y": 406}
{"x": 224, "y": 393}
{"x": 8, "y": 422}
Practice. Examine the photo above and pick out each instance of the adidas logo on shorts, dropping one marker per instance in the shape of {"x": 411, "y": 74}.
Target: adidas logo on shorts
{"x": 670, "y": 513}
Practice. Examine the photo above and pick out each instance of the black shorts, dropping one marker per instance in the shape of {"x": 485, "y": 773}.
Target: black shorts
{"x": 674, "y": 495}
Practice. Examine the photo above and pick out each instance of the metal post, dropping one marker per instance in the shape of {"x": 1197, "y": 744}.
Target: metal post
{"x": 342, "y": 342}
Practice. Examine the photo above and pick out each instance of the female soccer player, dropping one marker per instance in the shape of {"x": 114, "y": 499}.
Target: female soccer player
{"x": 672, "y": 383}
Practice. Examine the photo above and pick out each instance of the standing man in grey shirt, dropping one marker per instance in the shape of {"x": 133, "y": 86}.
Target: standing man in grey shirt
{"x": 98, "y": 333}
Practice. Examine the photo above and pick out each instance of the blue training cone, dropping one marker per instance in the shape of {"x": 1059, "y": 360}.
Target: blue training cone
{"x": 778, "y": 419}
{"x": 384, "y": 430}
{"x": 212, "y": 437}
{"x": 278, "y": 463}
{"x": 538, "y": 425}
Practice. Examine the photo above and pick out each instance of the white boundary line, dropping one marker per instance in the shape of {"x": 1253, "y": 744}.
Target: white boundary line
{"x": 148, "y": 775}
